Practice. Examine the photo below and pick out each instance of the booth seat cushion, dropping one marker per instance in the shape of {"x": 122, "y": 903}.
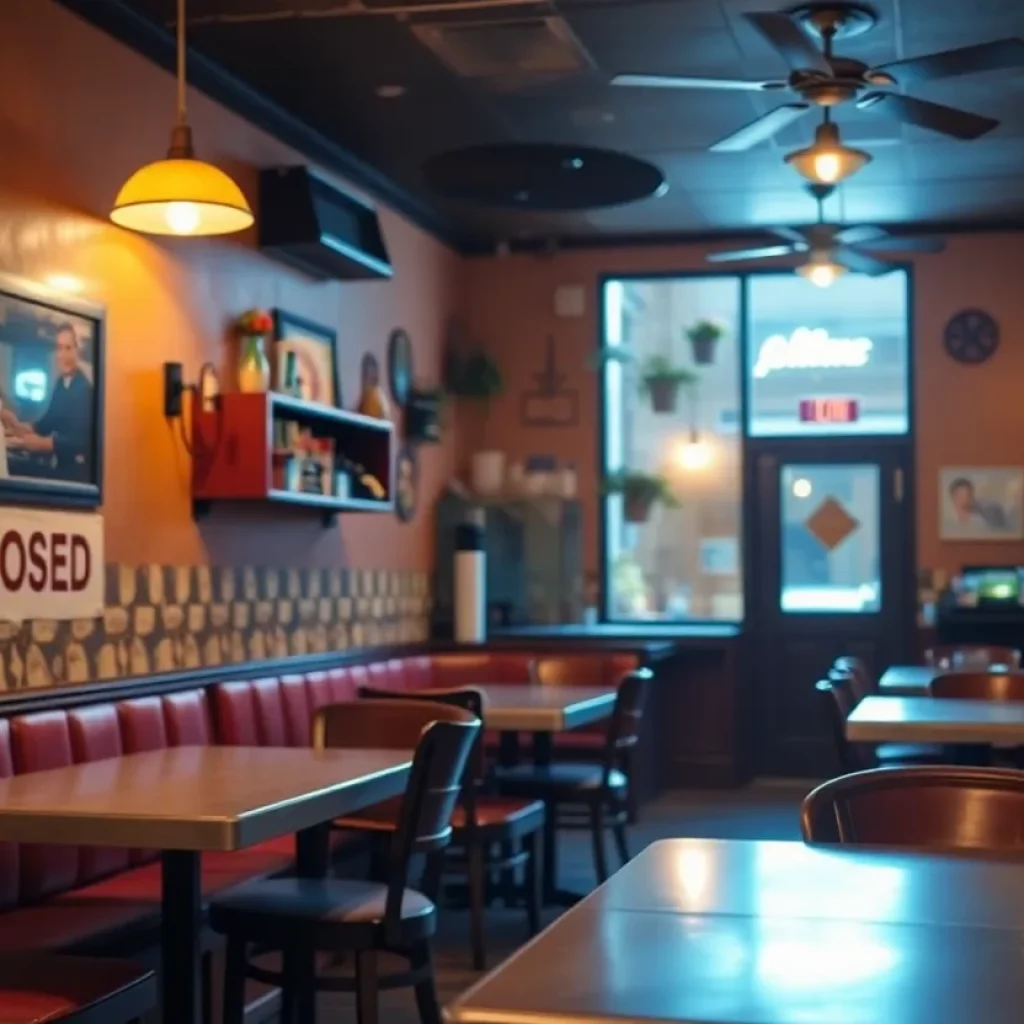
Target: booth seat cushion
{"x": 271, "y": 728}
{"x": 8, "y": 851}
{"x": 235, "y": 714}
{"x": 187, "y": 716}
{"x": 449, "y": 670}
{"x": 343, "y": 688}
{"x": 38, "y": 742}
{"x": 318, "y": 689}
{"x": 297, "y": 715}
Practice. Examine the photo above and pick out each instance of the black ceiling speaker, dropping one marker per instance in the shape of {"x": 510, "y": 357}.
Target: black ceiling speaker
{"x": 536, "y": 176}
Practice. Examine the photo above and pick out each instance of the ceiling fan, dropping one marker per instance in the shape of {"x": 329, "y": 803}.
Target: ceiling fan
{"x": 822, "y": 79}
{"x": 831, "y": 248}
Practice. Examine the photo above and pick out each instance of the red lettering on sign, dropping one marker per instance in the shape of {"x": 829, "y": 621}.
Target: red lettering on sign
{"x": 12, "y": 548}
{"x": 59, "y": 561}
{"x": 81, "y": 562}
{"x": 37, "y": 559}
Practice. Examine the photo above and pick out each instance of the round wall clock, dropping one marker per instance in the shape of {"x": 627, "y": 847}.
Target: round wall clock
{"x": 407, "y": 483}
{"x": 400, "y": 365}
{"x": 971, "y": 336}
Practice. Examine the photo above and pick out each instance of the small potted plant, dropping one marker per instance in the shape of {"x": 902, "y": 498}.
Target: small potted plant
{"x": 662, "y": 379}
{"x": 254, "y": 327}
{"x": 477, "y": 376}
{"x": 640, "y": 493}
{"x": 704, "y": 336}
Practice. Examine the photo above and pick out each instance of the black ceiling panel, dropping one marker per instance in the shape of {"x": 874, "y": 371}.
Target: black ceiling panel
{"x": 334, "y": 67}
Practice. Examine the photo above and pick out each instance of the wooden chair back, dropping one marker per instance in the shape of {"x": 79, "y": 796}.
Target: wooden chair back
{"x": 926, "y": 807}
{"x": 861, "y": 678}
{"x": 624, "y": 727}
{"x": 979, "y": 685}
{"x": 839, "y": 699}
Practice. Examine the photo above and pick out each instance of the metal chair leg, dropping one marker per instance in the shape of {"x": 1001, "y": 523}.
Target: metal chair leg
{"x": 426, "y": 989}
{"x": 476, "y": 903}
{"x": 234, "y": 981}
{"x": 619, "y": 834}
{"x": 366, "y": 987}
{"x": 532, "y": 887}
{"x": 597, "y": 836}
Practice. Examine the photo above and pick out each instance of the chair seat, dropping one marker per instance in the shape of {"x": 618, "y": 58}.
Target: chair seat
{"x": 564, "y": 780}
{"x": 37, "y": 988}
{"x": 326, "y": 912}
{"x": 889, "y": 753}
{"x": 510, "y": 814}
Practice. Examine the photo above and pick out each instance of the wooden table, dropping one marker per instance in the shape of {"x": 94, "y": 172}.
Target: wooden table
{"x": 907, "y": 680}
{"x": 190, "y": 799}
{"x": 936, "y": 720}
{"x": 730, "y": 932}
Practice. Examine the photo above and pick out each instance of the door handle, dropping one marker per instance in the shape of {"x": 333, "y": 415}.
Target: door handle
{"x": 897, "y": 485}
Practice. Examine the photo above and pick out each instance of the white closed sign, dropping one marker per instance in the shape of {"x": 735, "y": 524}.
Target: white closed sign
{"x": 51, "y": 565}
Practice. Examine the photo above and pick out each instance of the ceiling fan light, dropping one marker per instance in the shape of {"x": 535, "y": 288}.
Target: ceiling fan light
{"x": 821, "y": 270}
{"x": 827, "y": 161}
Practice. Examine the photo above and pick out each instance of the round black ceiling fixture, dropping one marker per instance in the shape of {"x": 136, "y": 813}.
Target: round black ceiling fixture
{"x": 536, "y": 176}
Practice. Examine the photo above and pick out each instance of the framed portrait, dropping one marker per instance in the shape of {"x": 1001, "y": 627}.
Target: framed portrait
{"x": 51, "y": 396}
{"x": 305, "y": 360}
{"x": 981, "y": 503}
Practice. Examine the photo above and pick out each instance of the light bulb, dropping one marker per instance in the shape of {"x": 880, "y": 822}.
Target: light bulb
{"x": 802, "y": 488}
{"x": 182, "y": 218}
{"x": 820, "y": 269}
{"x": 693, "y": 454}
{"x": 827, "y": 167}
{"x": 823, "y": 275}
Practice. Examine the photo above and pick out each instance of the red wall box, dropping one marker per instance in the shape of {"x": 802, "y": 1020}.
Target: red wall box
{"x": 233, "y": 452}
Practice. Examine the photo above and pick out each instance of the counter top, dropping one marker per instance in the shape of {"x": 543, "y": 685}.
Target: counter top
{"x": 625, "y": 631}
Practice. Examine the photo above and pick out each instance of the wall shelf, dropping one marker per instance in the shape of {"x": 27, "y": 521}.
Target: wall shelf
{"x": 233, "y": 453}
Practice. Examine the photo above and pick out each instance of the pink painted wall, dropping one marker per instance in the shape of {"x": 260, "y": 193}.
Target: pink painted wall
{"x": 79, "y": 114}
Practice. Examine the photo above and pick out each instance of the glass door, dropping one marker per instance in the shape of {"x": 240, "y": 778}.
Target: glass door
{"x": 833, "y": 577}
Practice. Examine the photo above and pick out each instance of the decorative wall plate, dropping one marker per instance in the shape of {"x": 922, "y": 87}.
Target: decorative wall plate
{"x": 400, "y": 365}
{"x": 971, "y": 336}
{"x": 407, "y": 483}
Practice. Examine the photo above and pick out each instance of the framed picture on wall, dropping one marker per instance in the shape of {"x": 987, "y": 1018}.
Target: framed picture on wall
{"x": 981, "y": 503}
{"x": 305, "y": 360}
{"x": 51, "y": 396}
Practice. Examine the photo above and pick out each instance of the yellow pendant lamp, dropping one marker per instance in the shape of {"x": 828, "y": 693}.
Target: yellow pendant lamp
{"x": 181, "y": 195}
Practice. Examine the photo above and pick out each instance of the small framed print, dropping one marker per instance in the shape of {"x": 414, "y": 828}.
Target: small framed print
{"x": 305, "y": 359}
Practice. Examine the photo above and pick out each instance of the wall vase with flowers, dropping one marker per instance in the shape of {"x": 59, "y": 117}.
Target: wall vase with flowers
{"x": 704, "y": 336}
{"x": 254, "y": 327}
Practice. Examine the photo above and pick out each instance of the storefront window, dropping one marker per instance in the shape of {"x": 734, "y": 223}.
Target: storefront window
{"x": 683, "y": 562}
{"x": 827, "y": 361}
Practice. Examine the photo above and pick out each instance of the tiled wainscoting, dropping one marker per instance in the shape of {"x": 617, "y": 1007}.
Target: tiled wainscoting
{"x": 159, "y": 618}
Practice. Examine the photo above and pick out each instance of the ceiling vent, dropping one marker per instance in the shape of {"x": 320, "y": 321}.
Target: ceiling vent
{"x": 505, "y": 50}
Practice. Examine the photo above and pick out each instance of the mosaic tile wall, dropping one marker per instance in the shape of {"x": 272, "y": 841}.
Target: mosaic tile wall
{"x": 160, "y": 618}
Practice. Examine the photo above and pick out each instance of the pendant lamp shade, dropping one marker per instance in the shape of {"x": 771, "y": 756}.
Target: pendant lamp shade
{"x": 181, "y": 195}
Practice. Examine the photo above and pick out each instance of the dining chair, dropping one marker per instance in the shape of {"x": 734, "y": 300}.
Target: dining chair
{"x": 972, "y": 656}
{"x": 491, "y": 833}
{"x": 58, "y": 989}
{"x": 601, "y": 788}
{"x": 862, "y": 680}
{"x": 301, "y": 916}
{"x": 928, "y": 806}
{"x": 839, "y": 695}
{"x": 579, "y": 670}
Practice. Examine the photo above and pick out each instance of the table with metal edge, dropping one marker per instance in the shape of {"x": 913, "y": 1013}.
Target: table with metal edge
{"x": 907, "y": 680}
{"x": 187, "y": 800}
{"x": 936, "y": 720}
{"x": 738, "y": 932}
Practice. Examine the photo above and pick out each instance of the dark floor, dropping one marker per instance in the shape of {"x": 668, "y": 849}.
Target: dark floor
{"x": 761, "y": 811}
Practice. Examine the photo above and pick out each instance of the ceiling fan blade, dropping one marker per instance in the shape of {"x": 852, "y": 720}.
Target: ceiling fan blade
{"x": 761, "y": 129}
{"x": 968, "y": 60}
{"x": 765, "y": 252}
{"x": 861, "y": 262}
{"x": 860, "y": 234}
{"x": 682, "y": 82}
{"x": 797, "y": 48}
{"x": 792, "y": 234}
{"x": 960, "y": 124}
{"x": 908, "y": 243}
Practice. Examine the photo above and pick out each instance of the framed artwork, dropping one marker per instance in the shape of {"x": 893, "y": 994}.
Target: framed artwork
{"x": 51, "y": 396}
{"x": 305, "y": 359}
{"x": 981, "y": 503}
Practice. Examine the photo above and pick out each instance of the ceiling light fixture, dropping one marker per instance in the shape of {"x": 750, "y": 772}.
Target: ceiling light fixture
{"x": 827, "y": 160}
{"x": 821, "y": 269}
{"x": 181, "y": 195}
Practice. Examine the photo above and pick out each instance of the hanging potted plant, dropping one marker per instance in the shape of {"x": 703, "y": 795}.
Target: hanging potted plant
{"x": 662, "y": 379}
{"x": 704, "y": 336}
{"x": 477, "y": 376}
{"x": 640, "y": 493}
{"x": 254, "y": 327}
